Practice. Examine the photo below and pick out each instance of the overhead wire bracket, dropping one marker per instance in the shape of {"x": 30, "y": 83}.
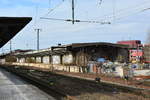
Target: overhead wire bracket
{"x": 70, "y": 20}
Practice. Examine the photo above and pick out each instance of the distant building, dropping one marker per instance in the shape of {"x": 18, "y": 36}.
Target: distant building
{"x": 135, "y": 55}
{"x": 136, "y": 51}
{"x": 131, "y": 43}
{"x": 77, "y": 53}
{"x": 6, "y": 57}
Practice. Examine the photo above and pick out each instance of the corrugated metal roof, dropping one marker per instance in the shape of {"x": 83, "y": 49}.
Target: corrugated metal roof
{"x": 78, "y": 45}
{"x": 75, "y": 45}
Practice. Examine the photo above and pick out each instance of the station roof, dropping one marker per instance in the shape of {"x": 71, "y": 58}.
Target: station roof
{"x": 80, "y": 45}
{"x": 10, "y": 26}
{"x": 62, "y": 49}
{"x": 76, "y": 45}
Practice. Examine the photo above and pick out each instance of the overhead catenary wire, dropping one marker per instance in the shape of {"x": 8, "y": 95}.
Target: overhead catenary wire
{"x": 100, "y": 2}
{"x": 124, "y": 11}
{"x": 146, "y": 9}
{"x": 115, "y": 16}
{"x": 70, "y": 20}
{"x": 36, "y": 15}
{"x": 119, "y": 18}
{"x": 114, "y": 9}
{"x": 127, "y": 15}
{"x": 133, "y": 7}
{"x": 73, "y": 17}
{"x": 52, "y": 9}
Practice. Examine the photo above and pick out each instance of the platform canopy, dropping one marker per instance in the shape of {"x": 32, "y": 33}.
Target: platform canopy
{"x": 10, "y": 26}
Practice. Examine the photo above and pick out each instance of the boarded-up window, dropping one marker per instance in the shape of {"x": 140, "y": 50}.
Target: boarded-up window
{"x": 56, "y": 59}
{"x": 46, "y": 59}
{"x": 68, "y": 59}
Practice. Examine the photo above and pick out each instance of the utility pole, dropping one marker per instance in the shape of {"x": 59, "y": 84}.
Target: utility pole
{"x": 38, "y": 36}
{"x": 73, "y": 20}
{"x": 73, "y": 12}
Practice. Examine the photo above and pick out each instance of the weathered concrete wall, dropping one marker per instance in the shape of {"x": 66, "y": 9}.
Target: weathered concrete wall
{"x": 141, "y": 72}
{"x": 2, "y": 61}
{"x": 46, "y": 60}
{"x": 81, "y": 58}
{"x": 119, "y": 71}
{"x": 21, "y": 60}
{"x": 56, "y": 59}
{"x": 67, "y": 59}
{"x": 38, "y": 59}
{"x": 50, "y": 67}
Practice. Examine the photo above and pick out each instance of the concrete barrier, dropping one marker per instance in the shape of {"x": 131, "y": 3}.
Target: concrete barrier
{"x": 50, "y": 66}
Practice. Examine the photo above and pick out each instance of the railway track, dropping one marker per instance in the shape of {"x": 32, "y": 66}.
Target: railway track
{"x": 63, "y": 87}
{"x": 43, "y": 85}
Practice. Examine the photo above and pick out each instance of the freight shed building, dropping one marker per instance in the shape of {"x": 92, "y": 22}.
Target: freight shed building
{"x": 78, "y": 54}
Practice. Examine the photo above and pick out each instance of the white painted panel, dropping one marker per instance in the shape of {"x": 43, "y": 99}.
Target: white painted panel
{"x": 119, "y": 71}
{"x": 46, "y": 59}
{"x": 56, "y": 59}
{"x": 38, "y": 59}
{"x": 141, "y": 72}
{"x": 18, "y": 60}
{"x": 2, "y": 61}
{"x": 67, "y": 59}
{"x": 22, "y": 60}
